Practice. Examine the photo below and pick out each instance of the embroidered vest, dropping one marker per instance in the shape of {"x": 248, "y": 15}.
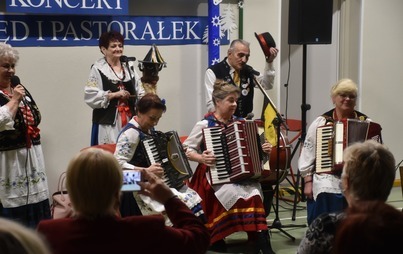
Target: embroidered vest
{"x": 17, "y": 138}
{"x": 245, "y": 101}
{"x": 107, "y": 115}
{"x": 329, "y": 116}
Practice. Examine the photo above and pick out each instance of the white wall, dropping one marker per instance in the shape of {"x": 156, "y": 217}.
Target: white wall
{"x": 381, "y": 69}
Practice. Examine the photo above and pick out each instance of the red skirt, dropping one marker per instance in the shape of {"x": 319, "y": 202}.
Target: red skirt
{"x": 245, "y": 215}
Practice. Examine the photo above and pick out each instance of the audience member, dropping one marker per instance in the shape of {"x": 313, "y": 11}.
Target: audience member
{"x": 17, "y": 239}
{"x": 368, "y": 175}
{"x": 94, "y": 182}
{"x": 370, "y": 227}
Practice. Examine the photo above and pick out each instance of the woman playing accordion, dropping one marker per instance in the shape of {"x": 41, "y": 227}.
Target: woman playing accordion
{"x": 131, "y": 155}
{"x": 229, "y": 207}
{"x": 322, "y": 190}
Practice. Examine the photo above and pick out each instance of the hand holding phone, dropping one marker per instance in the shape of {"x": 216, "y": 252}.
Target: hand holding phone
{"x": 155, "y": 188}
{"x": 130, "y": 180}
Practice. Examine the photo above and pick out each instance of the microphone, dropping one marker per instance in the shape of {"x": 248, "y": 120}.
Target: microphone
{"x": 127, "y": 59}
{"x": 249, "y": 116}
{"x": 15, "y": 81}
{"x": 249, "y": 69}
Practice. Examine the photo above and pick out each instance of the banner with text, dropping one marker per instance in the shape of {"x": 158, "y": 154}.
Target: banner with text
{"x": 82, "y": 7}
{"x": 37, "y": 30}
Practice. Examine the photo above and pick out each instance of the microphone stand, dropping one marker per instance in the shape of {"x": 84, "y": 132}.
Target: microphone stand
{"x": 133, "y": 84}
{"x": 278, "y": 121}
{"x": 304, "y": 108}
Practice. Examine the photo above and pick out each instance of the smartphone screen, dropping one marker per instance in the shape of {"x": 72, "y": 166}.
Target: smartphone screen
{"x": 130, "y": 179}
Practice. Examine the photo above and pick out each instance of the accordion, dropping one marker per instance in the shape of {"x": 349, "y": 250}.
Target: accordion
{"x": 166, "y": 149}
{"x": 238, "y": 152}
{"x": 331, "y": 140}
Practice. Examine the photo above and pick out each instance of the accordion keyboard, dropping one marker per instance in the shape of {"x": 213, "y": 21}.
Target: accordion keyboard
{"x": 324, "y": 161}
{"x": 213, "y": 139}
{"x": 154, "y": 157}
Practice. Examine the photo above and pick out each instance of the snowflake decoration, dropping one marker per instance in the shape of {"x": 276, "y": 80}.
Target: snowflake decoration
{"x": 216, "y": 42}
{"x": 240, "y": 4}
{"x": 215, "y": 61}
{"x": 217, "y": 2}
{"x": 215, "y": 20}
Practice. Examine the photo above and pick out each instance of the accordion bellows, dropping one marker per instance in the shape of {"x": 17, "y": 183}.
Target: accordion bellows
{"x": 238, "y": 152}
{"x": 166, "y": 149}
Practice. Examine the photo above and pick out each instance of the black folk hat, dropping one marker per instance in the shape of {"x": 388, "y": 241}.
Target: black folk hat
{"x": 153, "y": 58}
{"x": 266, "y": 41}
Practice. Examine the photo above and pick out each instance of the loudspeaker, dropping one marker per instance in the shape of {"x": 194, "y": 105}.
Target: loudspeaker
{"x": 310, "y": 22}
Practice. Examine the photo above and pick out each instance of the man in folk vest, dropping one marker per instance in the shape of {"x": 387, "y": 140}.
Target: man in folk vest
{"x": 234, "y": 70}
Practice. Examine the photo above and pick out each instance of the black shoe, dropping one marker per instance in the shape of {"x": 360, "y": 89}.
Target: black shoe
{"x": 263, "y": 244}
{"x": 219, "y": 246}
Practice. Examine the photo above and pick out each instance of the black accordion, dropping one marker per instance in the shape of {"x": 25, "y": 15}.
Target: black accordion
{"x": 332, "y": 139}
{"x": 238, "y": 152}
{"x": 166, "y": 149}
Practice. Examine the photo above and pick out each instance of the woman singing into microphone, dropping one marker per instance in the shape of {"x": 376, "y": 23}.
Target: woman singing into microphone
{"x": 24, "y": 195}
{"x": 110, "y": 91}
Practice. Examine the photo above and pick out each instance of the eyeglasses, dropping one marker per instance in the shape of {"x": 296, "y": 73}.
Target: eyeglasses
{"x": 8, "y": 66}
{"x": 350, "y": 96}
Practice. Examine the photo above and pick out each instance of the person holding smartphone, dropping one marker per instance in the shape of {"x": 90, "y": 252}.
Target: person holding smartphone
{"x": 94, "y": 181}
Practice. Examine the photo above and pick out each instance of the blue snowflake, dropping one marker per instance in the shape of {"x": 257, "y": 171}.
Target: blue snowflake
{"x": 215, "y": 20}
